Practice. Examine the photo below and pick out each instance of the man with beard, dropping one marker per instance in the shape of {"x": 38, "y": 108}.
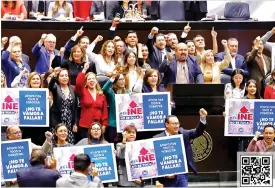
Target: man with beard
{"x": 173, "y": 127}
{"x": 258, "y": 64}
{"x": 256, "y": 145}
{"x": 156, "y": 46}
{"x": 172, "y": 40}
{"x": 237, "y": 61}
{"x": 182, "y": 70}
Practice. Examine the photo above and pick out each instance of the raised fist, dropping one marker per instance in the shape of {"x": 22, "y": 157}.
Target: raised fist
{"x": 257, "y": 134}
{"x": 154, "y": 31}
{"x": 4, "y": 40}
{"x": 224, "y": 42}
{"x": 43, "y": 37}
{"x": 203, "y": 112}
{"x": 61, "y": 51}
{"x": 99, "y": 38}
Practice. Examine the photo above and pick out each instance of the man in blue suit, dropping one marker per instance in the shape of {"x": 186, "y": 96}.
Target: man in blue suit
{"x": 182, "y": 70}
{"x": 237, "y": 62}
{"x": 37, "y": 175}
{"x": 172, "y": 127}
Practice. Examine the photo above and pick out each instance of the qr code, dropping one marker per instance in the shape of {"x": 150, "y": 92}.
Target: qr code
{"x": 256, "y": 171}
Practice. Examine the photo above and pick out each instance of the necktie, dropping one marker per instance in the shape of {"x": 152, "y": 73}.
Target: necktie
{"x": 262, "y": 62}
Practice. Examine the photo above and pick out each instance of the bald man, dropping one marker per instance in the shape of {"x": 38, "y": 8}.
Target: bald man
{"x": 182, "y": 70}
{"x": 44, "y": 54}
{"x": 14, "y": 133}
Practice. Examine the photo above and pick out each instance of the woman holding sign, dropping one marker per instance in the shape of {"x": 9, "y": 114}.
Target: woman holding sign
{"x": 129, "y": 135}
{"x": 64, "y": 108}
{"x": 116, "y": 85}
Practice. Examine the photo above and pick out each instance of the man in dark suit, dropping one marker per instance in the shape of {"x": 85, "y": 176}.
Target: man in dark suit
{"x": 182, "y": 70}
{"x": 156, "y": 46}
{"x": 237, "y": 61}
{"x": 195, "y": 10}
{"x": 37, "y": 175}
{"x": 258, "y": 64}
{"x": 172, "y": 127}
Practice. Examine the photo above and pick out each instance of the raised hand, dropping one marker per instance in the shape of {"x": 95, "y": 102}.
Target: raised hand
{"x": 224, "y": 43}
{"x": 79, "y": 32}
{"x": 154, "y": 31}
{"x": 4, "y": 41}
{"x": 98, "y": 38}
{"x": 203, "y": 112}
{"x": 48, "y": 136}
{"x": 214, "y": 33}
{"x": 187, "y": 28}
{"x": 273, "y": 30}
{"x": 61, "y": 51}
{"x": 257, "y": 134}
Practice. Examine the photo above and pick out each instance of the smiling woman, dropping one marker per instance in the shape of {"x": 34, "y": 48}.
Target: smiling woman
{"x": 65, "y": 103}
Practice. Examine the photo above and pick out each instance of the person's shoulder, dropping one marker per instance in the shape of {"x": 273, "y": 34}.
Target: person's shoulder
{"x": 192, "y": 58}
{"x": 61, "y": 181}
{"x": 159, "y": 135}
{"x": 82, "y": 142}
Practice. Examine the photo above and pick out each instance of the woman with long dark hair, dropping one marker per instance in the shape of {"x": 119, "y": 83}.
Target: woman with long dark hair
{"x": 64, "y": 108}
{"x": 236, "y": 88}
{"x": 94, "y": 136}
{"x": 252, "y": 90}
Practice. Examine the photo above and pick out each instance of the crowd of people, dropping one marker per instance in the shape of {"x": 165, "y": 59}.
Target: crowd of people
{"x": 83, "y": 84}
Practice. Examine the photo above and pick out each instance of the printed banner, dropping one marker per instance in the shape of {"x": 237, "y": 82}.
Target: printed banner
{"x": 146, "y": 111}
{"x": 101, "y": 155}
{"x": 25, "y": 107}
{"x": 246, "y": 116}
{"x": 15, "y": 155}
{"x": 155, "y": 157}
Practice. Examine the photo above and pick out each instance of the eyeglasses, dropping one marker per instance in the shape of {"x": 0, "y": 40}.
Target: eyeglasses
{"x": 50, "y": 42}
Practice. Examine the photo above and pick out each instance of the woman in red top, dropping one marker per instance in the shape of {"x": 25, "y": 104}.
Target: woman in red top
{"x": 16, "y": 8}
{"x": 269, "y": 92}
{"x": 93, "y": 102}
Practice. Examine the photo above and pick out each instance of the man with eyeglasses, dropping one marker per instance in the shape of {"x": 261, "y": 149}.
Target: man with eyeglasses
{"x": 44, "y": 55}
{"x": 14, "y": 133}
{"x": 172, "y": 127}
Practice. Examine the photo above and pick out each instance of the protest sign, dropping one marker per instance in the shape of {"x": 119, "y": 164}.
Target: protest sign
{"x": 25, "y": 107}
{"x": 147, "y": 111}
{"x": 156, "y": 157}
{"x": 246, "y": 116}
{"x": 102, "y": 155}
{"x": 15, "y": 155}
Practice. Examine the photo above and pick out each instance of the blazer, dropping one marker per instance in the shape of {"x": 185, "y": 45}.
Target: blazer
{"x": 97, "y": 6}
{"x": 91, "y": 110}
{"x": 55, "y": 110}
{"x": 37, "y": 176}
{"x": 10, "y": 68}
{"x": 170, "y": 70}
{"x": 155, "y": 55}
{"x": 42, "y": 58}
{"x": 239, "y": 63}
{"x": 203, "y": 6}
{"x": 187, "y": 136}
{"x": 76, "y": 180}
{"x": 255, "y": 68}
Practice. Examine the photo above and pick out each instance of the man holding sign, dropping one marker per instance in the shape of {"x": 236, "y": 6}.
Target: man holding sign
{"x": 172, "y": 127}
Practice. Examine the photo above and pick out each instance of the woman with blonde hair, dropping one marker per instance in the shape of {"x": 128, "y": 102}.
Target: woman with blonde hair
{"x": 3, "y": 80}
{"x": 93, "y": 102}
{"x": 74, "y": 64}
{"x": 34, "y": 80}
{"x": 211, "y": 69}
{"x": 60, "y": 9}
